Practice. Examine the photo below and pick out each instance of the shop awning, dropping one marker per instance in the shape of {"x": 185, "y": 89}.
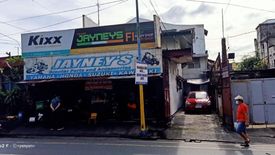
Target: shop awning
{"x": 83, "y": 79}
{"x": 198, "y": 81}
{"x": 133, "y": 76}
{"x": 53, "y": 80}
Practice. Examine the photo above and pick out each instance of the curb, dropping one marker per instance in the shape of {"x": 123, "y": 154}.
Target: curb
{"x": 7, "y": 135}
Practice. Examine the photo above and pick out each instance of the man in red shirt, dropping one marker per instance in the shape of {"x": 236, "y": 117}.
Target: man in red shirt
{"x": 242, "y": 119}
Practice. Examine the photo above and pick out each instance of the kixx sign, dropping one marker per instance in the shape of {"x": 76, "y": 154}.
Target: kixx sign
{"x": 40, "y": 40}
{"x": 47, "y": 43}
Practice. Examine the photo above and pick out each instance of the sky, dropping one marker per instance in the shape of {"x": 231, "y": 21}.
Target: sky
{"x": 241, "y": 17}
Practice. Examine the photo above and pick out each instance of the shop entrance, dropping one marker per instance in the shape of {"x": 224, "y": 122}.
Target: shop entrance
{"x": 109, "y": 99}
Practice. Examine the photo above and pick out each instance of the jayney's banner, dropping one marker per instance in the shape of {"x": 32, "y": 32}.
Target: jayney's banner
{"x": 92, "y": 65}
{"x": 88, "y": 40}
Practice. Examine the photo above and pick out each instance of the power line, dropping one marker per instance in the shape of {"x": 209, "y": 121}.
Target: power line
{"x": 17, "y": 42}
{"x": 60, "y": 12}
{"x": 7, "y": 43}
{"x": 227, "y": 5}
{"x": 65, "y": 21}
{"x": 236, "y": 5}
{"x": 69, "y": 20}
{"x": 1, "y": 22}
{"x": 157, "y": 14}
{"x": 241, "y": 34}
{"x": 42, "y": 6}
{"x": 3, "y": 1}
{"x": 152, "y": 12}
{"x": 154, "y": 2}
{"x": 4, "y": 40}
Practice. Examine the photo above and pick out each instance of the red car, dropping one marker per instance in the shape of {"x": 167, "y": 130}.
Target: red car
{"x": 198, "y": 100}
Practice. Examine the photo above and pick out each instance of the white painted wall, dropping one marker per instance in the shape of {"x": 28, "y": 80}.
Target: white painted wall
{"x": 195, "y": 73}
{"x": 198, "y": 49}
{"x": 265, "y": 52}
{"x": 271, "y": 57}
{"x": 199, "y": 39}
{"x": 176, "y": 98}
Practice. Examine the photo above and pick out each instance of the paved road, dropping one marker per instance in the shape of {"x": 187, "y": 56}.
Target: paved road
{"x": 113, "y": 146}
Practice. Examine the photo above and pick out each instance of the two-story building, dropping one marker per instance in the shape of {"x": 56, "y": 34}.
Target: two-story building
{"x": 265, "y": 42}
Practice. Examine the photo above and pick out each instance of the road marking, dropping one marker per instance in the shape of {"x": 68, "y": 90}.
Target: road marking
{"x": 189, "y": 147}
{"x": 9, "y": 154}
{"x": 160, "y": 144}
{"x": 145, "y": 154}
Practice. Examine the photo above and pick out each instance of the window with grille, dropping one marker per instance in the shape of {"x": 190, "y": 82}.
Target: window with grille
{"x": 195, "y": 63}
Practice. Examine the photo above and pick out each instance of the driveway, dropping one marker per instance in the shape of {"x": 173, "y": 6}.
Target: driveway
{"x": 206, "y": 127}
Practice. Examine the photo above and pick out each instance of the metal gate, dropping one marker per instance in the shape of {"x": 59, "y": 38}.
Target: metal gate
{"x": 269, "y": 100}
{"x": 260, "y": 95}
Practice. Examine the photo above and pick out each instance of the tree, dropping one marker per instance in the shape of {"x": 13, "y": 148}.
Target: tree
{"x": 252, "y": 63}
{"x": 11, "y": 96}
{"x": 14, "y": 69}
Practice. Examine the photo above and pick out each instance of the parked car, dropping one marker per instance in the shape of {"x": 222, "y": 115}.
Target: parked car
{"x": 198, "y": 100}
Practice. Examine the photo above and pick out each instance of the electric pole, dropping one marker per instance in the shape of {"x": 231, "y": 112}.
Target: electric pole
{"x": 98, "y": 19}
{"x": 141, "y": 95}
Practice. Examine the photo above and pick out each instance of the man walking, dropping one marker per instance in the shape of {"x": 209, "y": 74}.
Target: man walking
{"x": 242, "y": 120}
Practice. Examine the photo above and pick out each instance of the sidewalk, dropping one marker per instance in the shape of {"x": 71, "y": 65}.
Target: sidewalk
{"x": 182, "y": 127}
{"x": 126, "y": 130}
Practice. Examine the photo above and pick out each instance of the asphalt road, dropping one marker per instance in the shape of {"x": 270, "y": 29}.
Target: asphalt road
{"x": 114, "y": 146}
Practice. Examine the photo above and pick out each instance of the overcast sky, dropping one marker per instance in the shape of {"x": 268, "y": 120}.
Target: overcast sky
{"x": 238, "y": 19}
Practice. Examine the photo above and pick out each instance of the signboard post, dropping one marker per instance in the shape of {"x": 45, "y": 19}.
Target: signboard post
{"x": 141, "y": 74}
{"x": 141, "y": 96}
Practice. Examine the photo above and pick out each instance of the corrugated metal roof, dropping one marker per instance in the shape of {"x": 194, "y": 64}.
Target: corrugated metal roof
{"x": 269, "y": 21}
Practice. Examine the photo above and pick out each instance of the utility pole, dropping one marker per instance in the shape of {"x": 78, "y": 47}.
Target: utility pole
{"x": 226, "y": 84}
{"x": 141, "y": 95}
{"x": 98, "y": 19}
{"x": 222, "y": 25}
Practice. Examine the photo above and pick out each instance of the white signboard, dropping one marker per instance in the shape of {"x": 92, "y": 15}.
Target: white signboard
{"x": 141, "y": 74}
{"x": 44, "y": 44}
{"x": 100, "y": 64}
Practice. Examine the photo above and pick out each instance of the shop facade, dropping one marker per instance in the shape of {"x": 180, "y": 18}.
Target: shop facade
{"x": 93, "y": 70}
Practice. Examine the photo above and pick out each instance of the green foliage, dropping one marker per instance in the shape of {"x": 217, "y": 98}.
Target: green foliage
{"x": 15, "y": 60}
{"x": 252, "y": 63}
{"x": 9, "y": 100}
{"x": 15, "y": 73}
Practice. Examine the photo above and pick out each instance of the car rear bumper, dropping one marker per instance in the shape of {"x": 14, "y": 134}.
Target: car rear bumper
{"x": 195, "y": 107}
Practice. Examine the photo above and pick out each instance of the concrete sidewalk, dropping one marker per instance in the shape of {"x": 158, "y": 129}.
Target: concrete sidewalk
{"x": 183, "y": 127}
{"x": 126, "y": 130}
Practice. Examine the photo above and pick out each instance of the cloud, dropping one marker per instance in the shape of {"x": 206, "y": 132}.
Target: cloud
{"x": 252, "y": 15}
{"x": 228, "y": 28}
{"x": 174, "y": 14}
{"x": 203, "y": 9}
{"x": 243, "y": 48}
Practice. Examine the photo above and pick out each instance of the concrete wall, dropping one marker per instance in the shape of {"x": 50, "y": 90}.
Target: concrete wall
{"x": 176, "y": 98}
{"x": 199, "y": 38}
{"x": 272, "y": 56}
{"x": 196, "y": 73}
{"x": 266, "y": 43}
{"x": 198, "y": 46}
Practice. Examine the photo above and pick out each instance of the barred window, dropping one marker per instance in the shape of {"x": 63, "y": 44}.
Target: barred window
{"x": 195, "y": 63}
